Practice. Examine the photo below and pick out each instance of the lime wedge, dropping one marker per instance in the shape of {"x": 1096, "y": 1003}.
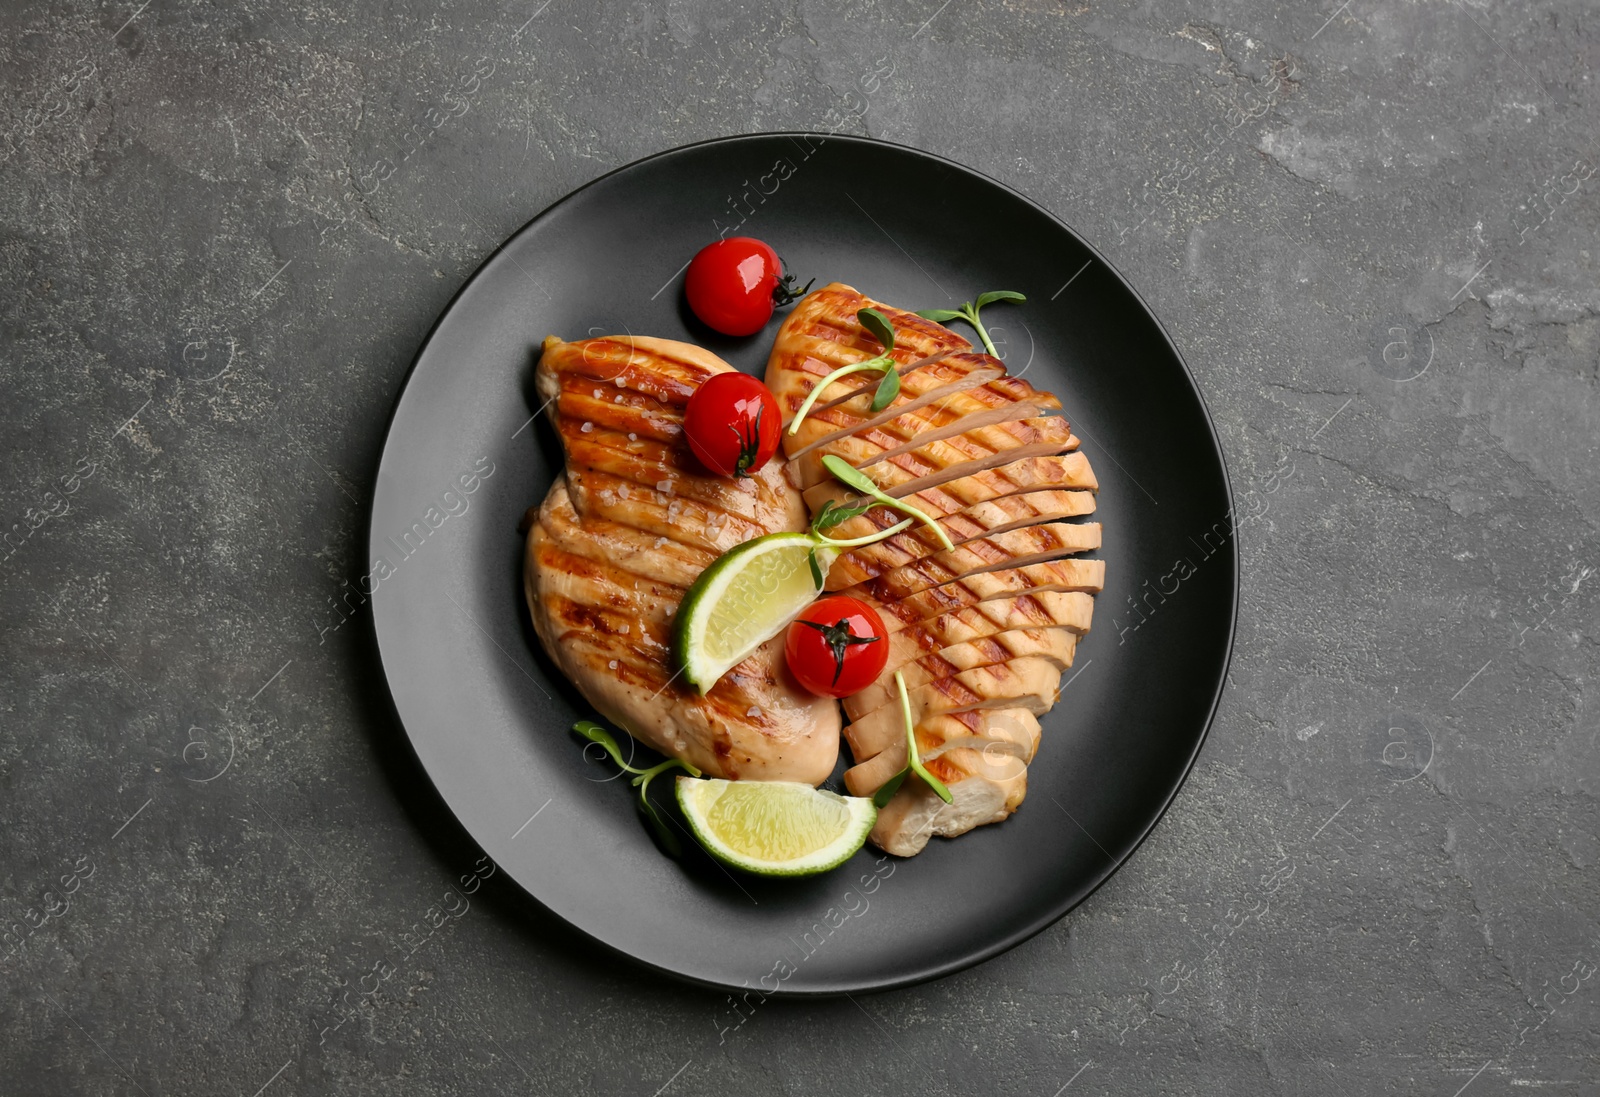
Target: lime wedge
{"x": 747, "y": 596}
{"x": 775, "y": 828}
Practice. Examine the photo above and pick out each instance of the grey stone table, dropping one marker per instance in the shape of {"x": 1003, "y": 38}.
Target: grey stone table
{"x": 1371, "y": 229}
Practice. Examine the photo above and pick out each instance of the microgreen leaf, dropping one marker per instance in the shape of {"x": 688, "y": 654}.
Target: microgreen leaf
{"x": 816, "y": 568}
{"x": 912, "y": 760}
{"x": 887, "y": 390}
{"x": 881, "y": 362}
{"x": 834, "y": 513}
{"x": 969, "y": 312}
{"x": 849, "y": 476}
{"x": 881, "y": 798}
{"x": 604, "y": 739}
{"x": 878, "y": 324}
{"x": 869, "y": 539}
{"x": 858, "y": 480}
{"x": 998, "y": 295}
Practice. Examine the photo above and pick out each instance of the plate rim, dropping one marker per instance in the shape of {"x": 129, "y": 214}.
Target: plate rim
{"x": 1050, "y": 915}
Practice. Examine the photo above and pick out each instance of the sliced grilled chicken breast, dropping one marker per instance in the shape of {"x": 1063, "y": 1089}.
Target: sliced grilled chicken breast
{"x": 624, "y": 532}
{"x": 980, "y": 632}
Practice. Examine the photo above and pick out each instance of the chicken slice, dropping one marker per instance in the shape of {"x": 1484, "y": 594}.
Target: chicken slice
{"x": 1017, "y": 476}
{"x": 984, "y": 789}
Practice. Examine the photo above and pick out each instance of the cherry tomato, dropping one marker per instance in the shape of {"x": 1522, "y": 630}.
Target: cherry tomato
{"x": 733, "y": 423}
{"x": 734, "y": 284}
{"x": 837, "y": 647}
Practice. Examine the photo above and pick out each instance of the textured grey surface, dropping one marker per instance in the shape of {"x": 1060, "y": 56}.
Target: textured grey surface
{"x": 1371, "y": 233}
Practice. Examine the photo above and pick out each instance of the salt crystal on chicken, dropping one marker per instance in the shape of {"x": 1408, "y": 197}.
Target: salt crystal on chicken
{"x": 587, "y": 427}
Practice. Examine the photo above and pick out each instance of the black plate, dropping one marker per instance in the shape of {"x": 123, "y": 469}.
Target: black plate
{"x": 487, "y": 714}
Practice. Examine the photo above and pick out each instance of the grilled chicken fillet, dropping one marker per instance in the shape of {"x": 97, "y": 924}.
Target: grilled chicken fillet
{"x": 623, "y": 533}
